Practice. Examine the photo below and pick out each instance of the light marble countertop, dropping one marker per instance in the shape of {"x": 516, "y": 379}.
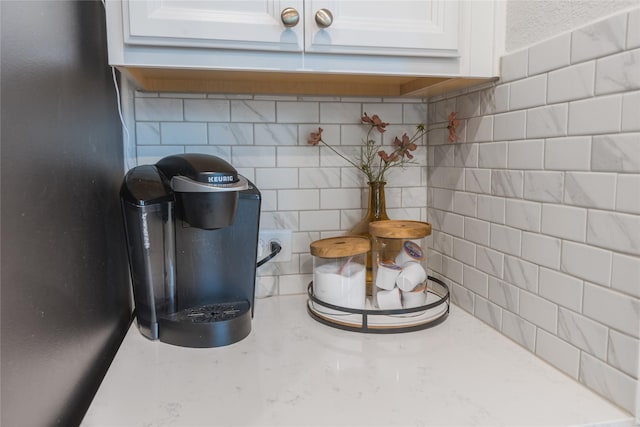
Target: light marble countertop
{"x": 294, "y": 371}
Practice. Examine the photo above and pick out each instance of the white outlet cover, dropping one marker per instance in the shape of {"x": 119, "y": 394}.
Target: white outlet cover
{"x": 283, "y": 237}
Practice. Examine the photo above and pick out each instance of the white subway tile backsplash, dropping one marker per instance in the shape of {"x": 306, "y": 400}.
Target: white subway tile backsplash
{"x": 560, "y": 288}
{"x": 296, "y": 200}
{"x": 230, "y": 133}
{"x": 148, "y": 133}
{"x": 452, "y": 269}
{"x": 340, "y": 112}
{"x": 319, "y": 177}
{"x": 411, "y": 113}
{"x": 253, "y": 111}
{"x": 319, "y": 220}
{"x": 633, "y": 35}
{"x": 296, "y": 157}
{"x": 622, "y": 353}
{"x": 491, "y": 209}
{"x": 340, "y": 198}
{"x": 468, "y": 105}
{"x": 625, "y": 274}
{"x": 521, "y": 273}
{"x": 476, "y": 281}
{"x": 476, "y": 231}
{"x": 519, "y": 330}
{"x": 523, "y": 214}
{"x": 465, "y": 203}
{"x": 616, "y": 153}
{"x": 631, "y": 111}
{"x": 488, "y": 312}
{"x": 544, "y": 186}
{"x": 492, "y": 155}
{"x": 414, "y": 197}
{"x": 503, "y": 294}
{"x": 207, "y": 110}
{"x": 274, "y": 134}
{"x": 527, "y": 93}
{"x": 572, "y": 153}
{"x": 466, "y": 155}
{"x": 489, "y": 261}
{"x": 389, "y": 112}
{"x": 583, "y": 332}
{"x": 599, "y": 39}
{"x": 464, "y": 251}
{"x": 299, "y": 112}
{"x": 505, "y": 239}
{"x": 586, "y": 262}
{"x": 588, "y": 189}
{"x": 253, "y": 157}
{"x": 445, "y": 177}
{"x": 494, "y": 101}
{"x": 547, "y": 121}
{"x": 477, "y": 180}
{"x": 479, "y": 129}
{"x": 550, "y": 54}
{"x": 514, "y": 66}
{"x": 526, "y": 154}
{"x": 614, "y": 231}
{"x": 618, "y": 73}
{"x": 509, "y": 126}
{"x": 158, "y": 109}
{"x": 557, "y": 352}
{"x": 607, "y": 381}
{"x": 539, "y": 311}
{"x": 541, "y": 249}
{"x": 444, "y": 155}
{"x": 276, "y": 178}
{"x": 595, "y": 115}
{"x": 183, "y": 133}
{"x": 462, "y": 297}
{"x": 506, "y": 183}
{"x": 571, "y": 83}
{"x": 614, "y": 309}
{"x": 564, "y": 221}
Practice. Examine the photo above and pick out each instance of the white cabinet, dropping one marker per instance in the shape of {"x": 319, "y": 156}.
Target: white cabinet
{"x": 411, "y": 43}
{"x": 244, "y": 24}
{"x": 373, "y": 27}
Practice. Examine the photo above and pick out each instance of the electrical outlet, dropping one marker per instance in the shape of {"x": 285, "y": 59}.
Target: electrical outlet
{"x": 282, "y": 237}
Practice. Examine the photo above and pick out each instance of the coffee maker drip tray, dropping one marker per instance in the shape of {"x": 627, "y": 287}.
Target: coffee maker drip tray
{"x": 211, "y": 325}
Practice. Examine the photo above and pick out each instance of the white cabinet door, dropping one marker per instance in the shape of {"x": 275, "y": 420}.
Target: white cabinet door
{"x": 239, "y": 24}
{"x": 383, "y": 27}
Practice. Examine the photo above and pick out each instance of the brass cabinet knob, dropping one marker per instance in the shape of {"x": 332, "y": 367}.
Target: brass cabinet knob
{"x": 290, "y": 17}
{"x": 324, "y": 18}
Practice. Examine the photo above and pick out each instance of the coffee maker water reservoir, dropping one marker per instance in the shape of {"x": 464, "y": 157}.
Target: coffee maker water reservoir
{"x": 191, "y": 223}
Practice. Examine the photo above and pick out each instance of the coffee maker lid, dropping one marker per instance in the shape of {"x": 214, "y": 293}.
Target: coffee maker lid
{"x": 201, "y": 173}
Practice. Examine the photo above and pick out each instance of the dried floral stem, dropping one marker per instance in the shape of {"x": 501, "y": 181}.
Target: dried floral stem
{"x": 375, "y": 162}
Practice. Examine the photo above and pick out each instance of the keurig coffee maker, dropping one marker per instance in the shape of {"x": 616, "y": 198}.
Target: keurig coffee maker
{"x": 191, "y": 224}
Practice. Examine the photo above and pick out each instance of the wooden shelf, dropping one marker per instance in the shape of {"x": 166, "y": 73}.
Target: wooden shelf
{"x": 289, "y": 83}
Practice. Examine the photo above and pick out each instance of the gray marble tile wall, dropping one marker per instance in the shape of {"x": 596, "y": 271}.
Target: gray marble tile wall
{"x": 536, "y": 211}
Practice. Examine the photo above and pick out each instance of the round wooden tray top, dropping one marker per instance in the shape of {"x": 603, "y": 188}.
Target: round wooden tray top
{"x": 337, "y": 247}
{"x": 394, "y": 229}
